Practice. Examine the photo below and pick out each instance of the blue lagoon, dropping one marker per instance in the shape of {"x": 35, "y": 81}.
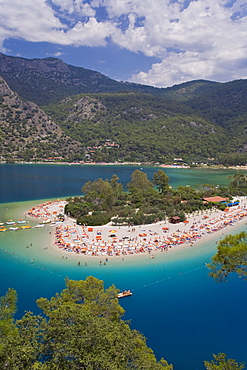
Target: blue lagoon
{"x": 184, "y": 314}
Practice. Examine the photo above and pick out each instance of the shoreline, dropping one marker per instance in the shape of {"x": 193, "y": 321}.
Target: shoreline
{"x": 37, "y": 248}
{"x": 145, "y": 164}
{"x": 125, "y": 242}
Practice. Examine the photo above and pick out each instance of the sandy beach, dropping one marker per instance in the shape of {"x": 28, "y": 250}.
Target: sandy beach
{"x": 109, "y": 241}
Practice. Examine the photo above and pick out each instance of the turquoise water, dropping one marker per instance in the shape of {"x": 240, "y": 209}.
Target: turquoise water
{"x": 30, "y": 181}
{"x": 184, "y": 314}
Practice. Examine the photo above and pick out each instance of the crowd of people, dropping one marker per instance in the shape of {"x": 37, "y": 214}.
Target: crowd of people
{"x": 126, "y": 240}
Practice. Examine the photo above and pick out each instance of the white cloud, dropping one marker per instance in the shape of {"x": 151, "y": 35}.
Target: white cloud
{"x": 57, "y": 54}
{"x": 75, "y": 6}
{"x": 202, "y": 39}
{"x": 197, "y": 39}
{"x": 37, "y": 21}
{"x": 91, "y": 33}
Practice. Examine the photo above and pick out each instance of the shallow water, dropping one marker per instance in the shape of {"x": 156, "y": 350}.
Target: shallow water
{"x": 184, "y": 314}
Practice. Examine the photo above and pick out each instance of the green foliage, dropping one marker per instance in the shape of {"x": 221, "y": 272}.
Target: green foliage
{"x": 77, "y": 209}
{"x": 143, "y": 127}
{"x": 186, "y": 193}
{"x": 139, "y": 180}
{"x": 238, "y": 185}
{"x": 106, "y": 200}
{"x": 7, "y": 311}
{"x": 221, "y": 362}
{"x": 49, "y": 80}
{"x": 108, "y": 121}
{"x": 82, "y": 329}
{"x": 161, "y": 180}
{"x": 231, "y": 257}
{"x": 96, "y": 219}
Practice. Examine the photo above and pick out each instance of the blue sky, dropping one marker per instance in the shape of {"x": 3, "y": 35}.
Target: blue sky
{"x": 154, "y": 42}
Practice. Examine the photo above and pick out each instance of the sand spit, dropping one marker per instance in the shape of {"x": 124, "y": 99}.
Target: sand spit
{"x": 110, "y": 241}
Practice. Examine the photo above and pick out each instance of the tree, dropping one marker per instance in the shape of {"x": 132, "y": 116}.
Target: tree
{"x": 116, "y": 186}
{"x": 7, "y": 311}
{"x": 82, "y": 329}
{"x": 186, "y": 192}
{"x": 220, "y": 362}
{"x": 231, "y": 257}
{"x": 140, "y": 181}
{"x": 161, "y": 180}
{"x": 239, "y": 181}
{"x": 99, "y": 192}
{"x": 19, "y": 341}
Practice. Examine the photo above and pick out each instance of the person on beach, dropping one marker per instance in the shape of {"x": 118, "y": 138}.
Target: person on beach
{"x": 78, "y": 239}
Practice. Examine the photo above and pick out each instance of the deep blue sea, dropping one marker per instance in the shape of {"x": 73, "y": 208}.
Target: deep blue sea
{"x": 183, "y": 313}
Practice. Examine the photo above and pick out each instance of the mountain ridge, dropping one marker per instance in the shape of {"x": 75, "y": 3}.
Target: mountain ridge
{"x": 50, "y": 79}
{"x": 107, "y": 120}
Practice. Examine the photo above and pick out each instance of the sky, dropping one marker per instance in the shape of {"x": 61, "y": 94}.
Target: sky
{"x": 153, "y": 42}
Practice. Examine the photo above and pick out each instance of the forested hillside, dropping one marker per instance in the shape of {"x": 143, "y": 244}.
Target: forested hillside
{"x": 44, "y": 81}
{"x": 137, "y": 127}
{"x": 94, "y": 118}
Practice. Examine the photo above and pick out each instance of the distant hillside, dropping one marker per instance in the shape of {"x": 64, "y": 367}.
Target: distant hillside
{"x": 217, "y": 102}
{"x": 26, "y": 132}
{"x": 137, "y": 127}
{"x": 96, "y": 118}
{"x": 44, "y": 81}
{"x": 223, "y": 104}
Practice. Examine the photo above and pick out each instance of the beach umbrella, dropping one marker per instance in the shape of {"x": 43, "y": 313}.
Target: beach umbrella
{"x": 112, "y": 231}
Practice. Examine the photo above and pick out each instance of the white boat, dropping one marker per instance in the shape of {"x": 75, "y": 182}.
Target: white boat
{"x": 124, "y": 293}
{"x": 46, "y": 221}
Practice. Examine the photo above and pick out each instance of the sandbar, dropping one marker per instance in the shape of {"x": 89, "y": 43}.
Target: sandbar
{"x": 110, "y": 241}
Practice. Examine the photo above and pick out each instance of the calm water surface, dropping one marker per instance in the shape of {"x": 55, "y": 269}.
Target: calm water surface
{"x": 184, "y": 314}
{"x": 30, "y": 181}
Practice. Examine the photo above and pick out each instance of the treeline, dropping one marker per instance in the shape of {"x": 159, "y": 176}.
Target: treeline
{"x": 145, "y": 201}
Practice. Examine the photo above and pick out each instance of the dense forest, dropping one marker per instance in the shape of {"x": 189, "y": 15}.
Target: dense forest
{"x": 87, "y": 117}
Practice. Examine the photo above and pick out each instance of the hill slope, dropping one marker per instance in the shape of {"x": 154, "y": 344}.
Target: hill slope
{"x": 137, "y": 127}
{"x": 44, "y": 81}
{"x": 26, "y": 132}
{"x": 113, "y": 120}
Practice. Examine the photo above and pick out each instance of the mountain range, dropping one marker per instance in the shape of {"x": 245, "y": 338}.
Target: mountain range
{"x": 50, "y": 109}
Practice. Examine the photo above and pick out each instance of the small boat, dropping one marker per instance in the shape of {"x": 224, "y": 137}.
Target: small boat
{"x": 46, "y": 221}
{"x": 124, "y": 293}
{"x": 10, "y": 222}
